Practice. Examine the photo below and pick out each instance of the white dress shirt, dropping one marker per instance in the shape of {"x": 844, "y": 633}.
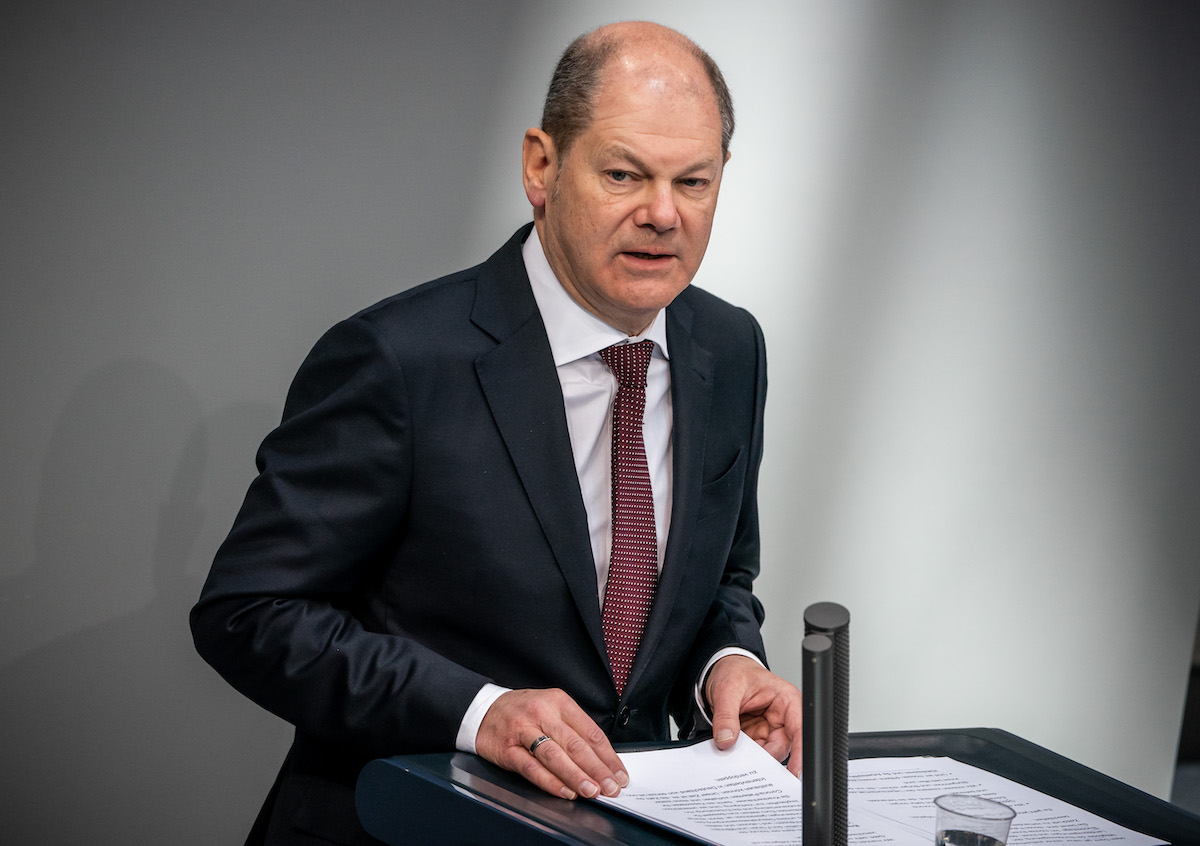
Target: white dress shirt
{"x": 589, "y": 388}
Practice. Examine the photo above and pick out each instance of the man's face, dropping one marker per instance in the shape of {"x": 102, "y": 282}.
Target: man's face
{"x": 625, "y": 216}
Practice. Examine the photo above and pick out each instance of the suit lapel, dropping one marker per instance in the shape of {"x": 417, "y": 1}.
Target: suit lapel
{"x": 519, "y": 381}
{"x": 691, "y": 399}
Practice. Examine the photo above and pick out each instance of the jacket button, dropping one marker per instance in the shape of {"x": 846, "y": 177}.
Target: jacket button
{"x": 623, "y": 717}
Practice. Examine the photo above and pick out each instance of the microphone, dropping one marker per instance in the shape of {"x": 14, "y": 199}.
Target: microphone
{"x": 816, "y": 750}
{"x": 826, "y": 654}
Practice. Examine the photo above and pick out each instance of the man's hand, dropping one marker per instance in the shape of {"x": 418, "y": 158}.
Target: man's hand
{"x": 747, "y": 696}
{"x": 577, "y": 760}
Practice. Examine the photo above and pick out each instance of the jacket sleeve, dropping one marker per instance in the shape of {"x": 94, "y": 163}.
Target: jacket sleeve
{"x": 736, "y": 615}
{"x": 280, "y": 616}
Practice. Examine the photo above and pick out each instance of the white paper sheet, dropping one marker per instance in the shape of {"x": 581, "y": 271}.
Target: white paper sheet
{"x": 903, "y": 789}
{"x": 737, "y": 797}
{"x": 743, "y": 797}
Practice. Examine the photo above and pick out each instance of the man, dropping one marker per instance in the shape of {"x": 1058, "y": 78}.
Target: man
{"x": 452, "y": 543}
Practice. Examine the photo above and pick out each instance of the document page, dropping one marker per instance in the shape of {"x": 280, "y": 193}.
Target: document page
{"x": 744, "y": 797}
{"x": 738, "y": 797}
{"x": 903, "y": 790}
{"x": 730, "y": 798}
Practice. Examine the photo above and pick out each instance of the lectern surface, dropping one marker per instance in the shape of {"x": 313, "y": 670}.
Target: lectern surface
{"x": 453, "y": 798}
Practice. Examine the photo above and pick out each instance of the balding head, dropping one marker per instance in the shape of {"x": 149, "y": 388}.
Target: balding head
{"x": 642, "y": 49}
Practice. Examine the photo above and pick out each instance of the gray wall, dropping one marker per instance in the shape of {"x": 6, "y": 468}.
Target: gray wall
{"x": 967, "y": 229}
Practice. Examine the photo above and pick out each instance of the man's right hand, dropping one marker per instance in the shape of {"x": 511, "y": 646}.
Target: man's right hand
{"x": 577, "y": 760}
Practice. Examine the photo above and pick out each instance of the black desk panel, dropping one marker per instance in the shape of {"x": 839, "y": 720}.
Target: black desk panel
{"x": 462, "y": 800}
{"x": 454, "y": 798}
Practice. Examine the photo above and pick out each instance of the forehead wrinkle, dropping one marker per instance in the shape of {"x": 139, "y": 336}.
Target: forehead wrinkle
{"x": 616, "y": 150}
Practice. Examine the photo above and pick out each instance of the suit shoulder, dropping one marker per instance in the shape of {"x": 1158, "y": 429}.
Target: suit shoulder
{"x": 711, "y": 315}
{"x": 450, "y": 301}
{"x": 418, "y": 302}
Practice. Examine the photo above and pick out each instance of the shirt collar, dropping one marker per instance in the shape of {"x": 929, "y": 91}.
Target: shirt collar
{"x": 574, "y": 331}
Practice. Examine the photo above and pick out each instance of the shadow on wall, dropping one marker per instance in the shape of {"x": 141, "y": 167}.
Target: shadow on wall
{"x": 111, "y": 713}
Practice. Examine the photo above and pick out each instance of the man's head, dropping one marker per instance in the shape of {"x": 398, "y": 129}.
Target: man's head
{"x": 569, "y": 99}
{"x": 623, "y": 175}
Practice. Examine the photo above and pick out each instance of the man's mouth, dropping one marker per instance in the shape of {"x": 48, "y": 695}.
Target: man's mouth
{"x": 638, "y": 255}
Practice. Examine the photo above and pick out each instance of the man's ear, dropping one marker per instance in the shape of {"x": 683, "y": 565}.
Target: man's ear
{"x": 538, "y": 161}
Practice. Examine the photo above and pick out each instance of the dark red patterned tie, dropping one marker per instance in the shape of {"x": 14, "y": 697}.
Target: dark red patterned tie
{"x": 633, "y": 564}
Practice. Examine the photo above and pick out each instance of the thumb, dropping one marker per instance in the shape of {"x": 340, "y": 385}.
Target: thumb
{"x": 727, "y": 722}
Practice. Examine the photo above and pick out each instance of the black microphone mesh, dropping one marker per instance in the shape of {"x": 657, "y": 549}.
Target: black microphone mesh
{"x": 833, "y": 621}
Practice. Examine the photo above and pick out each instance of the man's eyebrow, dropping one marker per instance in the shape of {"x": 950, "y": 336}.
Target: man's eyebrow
{"x": 623, "y": 153}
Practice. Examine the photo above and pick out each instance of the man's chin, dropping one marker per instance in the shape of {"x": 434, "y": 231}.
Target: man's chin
{"x": 641, "y": 305}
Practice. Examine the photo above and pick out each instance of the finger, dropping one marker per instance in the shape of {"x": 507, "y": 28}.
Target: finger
{"x": 756, "y": 727}
{"x": 778, "y": 744}
{"x": 729, "y": 692}
{"x": 597, "y": 755}
{"x": 588, "y": 763}
{"x": 514, "y": 756}
{"x": 794, "y": 763}
{"x": 535, "y": 765}
{"x": 786, "y": 725}
{"x": 726, "y": 726}
{"x": 516, "y": 720}
{"x": 796, "y": 760}
{"x": 791, "y": 727}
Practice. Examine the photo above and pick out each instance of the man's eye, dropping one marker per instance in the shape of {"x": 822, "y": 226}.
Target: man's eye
{"x": 693, "y": 183}
{"x": 618, "y": 175}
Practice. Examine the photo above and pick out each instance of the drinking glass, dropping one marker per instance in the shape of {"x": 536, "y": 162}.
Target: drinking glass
{"x": 971, "y": 821}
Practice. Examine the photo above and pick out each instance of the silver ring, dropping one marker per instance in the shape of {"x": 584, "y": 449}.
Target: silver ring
{"x": 533, "y": 746}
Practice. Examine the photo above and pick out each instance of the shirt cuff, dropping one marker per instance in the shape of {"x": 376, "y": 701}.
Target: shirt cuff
{"x": 468, "y": 729}
{"x": 701, "y": 702}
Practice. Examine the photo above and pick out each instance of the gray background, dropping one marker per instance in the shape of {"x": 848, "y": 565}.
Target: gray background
{"x": 969, "y": 231}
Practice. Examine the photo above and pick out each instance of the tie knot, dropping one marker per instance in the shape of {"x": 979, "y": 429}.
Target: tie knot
{"x": 629, "y": 362}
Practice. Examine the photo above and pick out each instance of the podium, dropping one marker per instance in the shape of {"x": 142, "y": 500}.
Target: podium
{"x": 455, "y": 798}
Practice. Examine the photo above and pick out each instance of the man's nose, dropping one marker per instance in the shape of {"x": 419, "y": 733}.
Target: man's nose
{"x": 658, "y": 208}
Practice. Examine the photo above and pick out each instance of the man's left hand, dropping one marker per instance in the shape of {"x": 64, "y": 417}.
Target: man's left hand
{"x": 746, "y": 696}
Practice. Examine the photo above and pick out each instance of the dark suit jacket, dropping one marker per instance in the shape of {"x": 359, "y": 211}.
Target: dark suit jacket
{"x": 417, "y": 530}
